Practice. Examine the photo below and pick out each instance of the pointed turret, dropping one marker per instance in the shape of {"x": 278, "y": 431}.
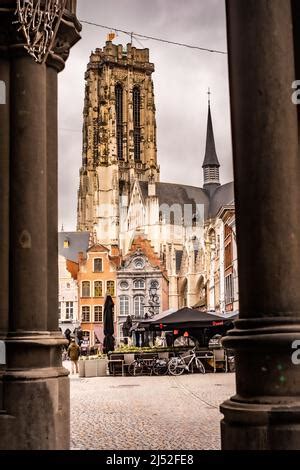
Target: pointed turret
{"x": 211, "y": 163}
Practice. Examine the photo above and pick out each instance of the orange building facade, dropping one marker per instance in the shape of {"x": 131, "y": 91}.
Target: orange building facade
{"x": 96, "y": 279}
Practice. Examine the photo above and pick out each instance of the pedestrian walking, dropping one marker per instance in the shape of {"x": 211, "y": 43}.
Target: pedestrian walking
{"x": 73, "y": 352}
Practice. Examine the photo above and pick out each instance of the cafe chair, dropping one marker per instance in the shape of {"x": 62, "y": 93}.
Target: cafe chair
{"x": 219, "y": 359}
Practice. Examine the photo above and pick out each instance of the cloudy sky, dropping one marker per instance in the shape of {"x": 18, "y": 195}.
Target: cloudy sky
{"x": 181, "y": 79}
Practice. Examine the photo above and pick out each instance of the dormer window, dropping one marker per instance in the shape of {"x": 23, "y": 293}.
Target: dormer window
{"x": 66, "y": 243}
{"x": 98, "y": 265}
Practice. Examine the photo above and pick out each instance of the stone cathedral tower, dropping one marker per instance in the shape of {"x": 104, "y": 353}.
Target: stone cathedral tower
{"x": 119, "y": 137}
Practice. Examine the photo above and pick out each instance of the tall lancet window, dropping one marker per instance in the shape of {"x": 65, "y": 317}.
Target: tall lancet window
{"x": 137, "y": 123}
{"x": 119, "y": 120}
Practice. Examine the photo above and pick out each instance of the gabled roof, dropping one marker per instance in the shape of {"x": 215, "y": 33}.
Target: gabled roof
{"x": 210, "y": 158}
{"x": 98, "y": 248}
{"x": 77, "y": 242}
{"x": 141, "y": 244}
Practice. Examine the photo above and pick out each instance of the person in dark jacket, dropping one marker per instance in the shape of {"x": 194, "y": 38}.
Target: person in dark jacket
{"x": 73, "y": 352}
{"x": 108, "y": 325}
{"x": 68, "y": 337}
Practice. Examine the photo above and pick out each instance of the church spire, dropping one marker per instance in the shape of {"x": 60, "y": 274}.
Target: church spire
{"x": 211, "y": 163}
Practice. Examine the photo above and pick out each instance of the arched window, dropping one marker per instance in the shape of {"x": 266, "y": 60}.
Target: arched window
{"x": 137, "y": 123}
{"x": 98, "y": 292}
{"x": 86, "y": 292}
{"x": 110, "y": 288}
{"x": 139, "y": 306}
{"x": 139, "y": 284}
{"x": 119, "y": 120}
{"x": 124, "y": 305}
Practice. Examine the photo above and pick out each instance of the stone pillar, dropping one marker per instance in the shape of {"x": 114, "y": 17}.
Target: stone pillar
{"x": 265, "y": 412}
{"x": 52, "y": 189}
{"x": 35, "y": 385}
{"x": 4, "y": 208}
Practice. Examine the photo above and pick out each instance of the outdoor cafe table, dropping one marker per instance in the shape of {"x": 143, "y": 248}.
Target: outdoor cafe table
{"x": 114, "y": 362}
{"x": 205, "y": 354}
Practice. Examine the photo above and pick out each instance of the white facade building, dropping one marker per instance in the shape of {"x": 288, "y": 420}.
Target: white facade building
{"x": 70, "y": 245}
{"x": 67, "y": 297}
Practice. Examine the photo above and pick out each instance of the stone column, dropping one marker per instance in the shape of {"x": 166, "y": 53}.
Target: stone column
{"x": 35, "y": 385}
{"x": 265, "y": 412}
{"x": 4, "y": 208}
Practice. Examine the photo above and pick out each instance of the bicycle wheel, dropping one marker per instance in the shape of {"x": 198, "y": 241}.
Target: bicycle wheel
{"x": 200, "y": 365}
{"x": 231, "y": 364}
{"x": 176, "y": 366}
{"x": 135, "y": 368}
{"x": 160, "y": 367}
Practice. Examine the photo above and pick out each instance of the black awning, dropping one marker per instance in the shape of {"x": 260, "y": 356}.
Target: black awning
{"x": 193, "y": 318}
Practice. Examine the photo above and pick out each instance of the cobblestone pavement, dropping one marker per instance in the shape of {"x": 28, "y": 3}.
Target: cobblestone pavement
{"x": 137, "y": 413}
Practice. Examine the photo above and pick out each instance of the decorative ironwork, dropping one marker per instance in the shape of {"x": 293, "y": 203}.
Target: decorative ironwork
{"x": 39, "y": 21}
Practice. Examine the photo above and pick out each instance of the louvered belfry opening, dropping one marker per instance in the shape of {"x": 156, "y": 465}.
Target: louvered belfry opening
{"x": 137, "y": 123}
{"x": 119, "y": 120}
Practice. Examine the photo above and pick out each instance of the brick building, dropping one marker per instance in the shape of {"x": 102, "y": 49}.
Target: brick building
{"x": 96, "y": 278}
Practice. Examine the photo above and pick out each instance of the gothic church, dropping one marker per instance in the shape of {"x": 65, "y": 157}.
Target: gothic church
{"x": 120, "y": 193}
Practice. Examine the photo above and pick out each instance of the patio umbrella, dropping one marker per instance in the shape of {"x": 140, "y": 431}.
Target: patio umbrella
{"x": 108, "y": 327}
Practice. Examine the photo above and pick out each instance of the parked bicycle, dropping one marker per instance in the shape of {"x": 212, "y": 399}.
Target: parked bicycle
{"x": 154, "y": 366}
{"x": 185, "y": 362}
{"x": 230, "y": 361}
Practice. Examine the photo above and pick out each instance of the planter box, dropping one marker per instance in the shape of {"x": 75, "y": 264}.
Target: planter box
{"x": 91, "y": 368}
{"x": 101, "y": 367}
{"x": 81, "y": 368}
